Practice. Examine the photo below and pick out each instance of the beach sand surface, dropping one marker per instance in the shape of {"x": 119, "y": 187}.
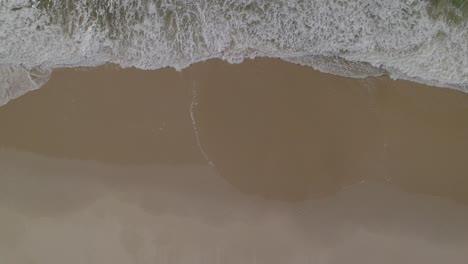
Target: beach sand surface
{"x": 259, "y": 162}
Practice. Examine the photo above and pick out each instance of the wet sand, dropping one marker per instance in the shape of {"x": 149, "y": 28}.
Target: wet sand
{"x": 262, "y": 162}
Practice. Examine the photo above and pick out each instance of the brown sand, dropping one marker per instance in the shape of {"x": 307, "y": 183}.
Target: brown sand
{"x": 368, "y": 164}
{"x": 269, "y": 127}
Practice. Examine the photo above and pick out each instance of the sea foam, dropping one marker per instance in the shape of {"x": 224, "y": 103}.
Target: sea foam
{"x": 355, "y": 38}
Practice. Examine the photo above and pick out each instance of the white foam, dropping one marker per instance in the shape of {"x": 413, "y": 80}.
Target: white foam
{"x": 398, "y": 37}
{"x": 16, "y": 81}
{"x": 338, "y": 66}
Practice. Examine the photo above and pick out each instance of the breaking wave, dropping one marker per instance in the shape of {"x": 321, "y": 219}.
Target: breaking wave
{"x": 423, "y": 41}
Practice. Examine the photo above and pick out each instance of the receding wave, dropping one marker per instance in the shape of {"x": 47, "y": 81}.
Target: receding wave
{"x": 422, "y": 41}
{"x": 16, "y": 81}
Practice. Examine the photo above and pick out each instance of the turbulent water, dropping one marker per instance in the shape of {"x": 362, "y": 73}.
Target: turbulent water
{"x": 420, "y": 40}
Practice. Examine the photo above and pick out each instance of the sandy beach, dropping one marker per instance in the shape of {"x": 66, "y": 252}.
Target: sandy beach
{"x": 259, "y": 162}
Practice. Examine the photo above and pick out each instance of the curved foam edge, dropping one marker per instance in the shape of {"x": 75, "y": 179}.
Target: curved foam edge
{"x": 338, "y": 66}
{"x": 16, "y": 81}
{"x": 348, "y": 38}
{"x": 357, "y": 69}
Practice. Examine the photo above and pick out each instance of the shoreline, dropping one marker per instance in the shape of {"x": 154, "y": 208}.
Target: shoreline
{"x": 37, "y": 77}
{"x": 340, "y": 130}
{"x": 261, "y": 162}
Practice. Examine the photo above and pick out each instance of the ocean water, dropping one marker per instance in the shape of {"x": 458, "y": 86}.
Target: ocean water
{"x": 420, "y": 40}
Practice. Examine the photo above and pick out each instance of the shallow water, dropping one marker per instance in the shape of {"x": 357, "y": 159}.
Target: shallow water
{"x": 262, "y": 162}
